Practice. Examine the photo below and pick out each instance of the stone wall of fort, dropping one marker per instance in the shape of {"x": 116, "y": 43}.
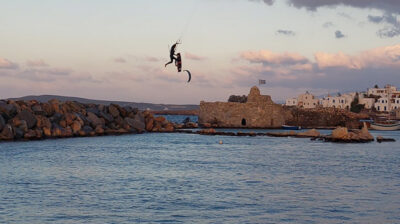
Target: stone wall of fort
{"x": 258, "y": 112}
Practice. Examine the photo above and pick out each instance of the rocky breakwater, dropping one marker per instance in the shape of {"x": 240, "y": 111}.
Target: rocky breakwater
{"x": 340, "y": 134}
{"x": 323, "y": 118}
{"x": 35, "y": 120}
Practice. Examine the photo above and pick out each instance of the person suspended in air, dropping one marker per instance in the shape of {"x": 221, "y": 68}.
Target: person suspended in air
{"x": 178, "y": 60}
{"x": 172, "y": 54}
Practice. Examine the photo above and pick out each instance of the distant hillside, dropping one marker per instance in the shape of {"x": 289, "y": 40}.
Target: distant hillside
{"x": 140, "y": 106}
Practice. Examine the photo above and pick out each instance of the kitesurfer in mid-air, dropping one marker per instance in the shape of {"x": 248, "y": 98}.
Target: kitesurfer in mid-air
{"x": 178, "y": 60}
{"x": 172, "y": 54}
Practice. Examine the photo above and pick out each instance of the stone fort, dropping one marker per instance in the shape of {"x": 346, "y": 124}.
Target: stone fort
{"x": 258, "y": 112}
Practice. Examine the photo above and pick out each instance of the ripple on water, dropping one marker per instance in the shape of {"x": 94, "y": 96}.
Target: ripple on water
{"x": 182, "y": 178}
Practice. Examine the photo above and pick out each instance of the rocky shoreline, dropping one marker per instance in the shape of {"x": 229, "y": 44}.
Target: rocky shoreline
{"x": 339, "y": 135}
{"x": 33, "y": 120}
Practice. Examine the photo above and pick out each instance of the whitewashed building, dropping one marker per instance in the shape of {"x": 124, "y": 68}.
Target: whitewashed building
{"x": 395, "y": 104}
{"x": 291, "y": 102}
{"x": 367, "y": 102}
{"x": 307, "y": 100}
{"x": 341, "y": 102}
{"x": 382, "y": 105}
{"x": 383, "y": 92}
{"x": 382, "y": 99}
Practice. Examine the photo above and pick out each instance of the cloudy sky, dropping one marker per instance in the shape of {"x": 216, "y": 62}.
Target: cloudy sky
{"x": 116, "y": 50}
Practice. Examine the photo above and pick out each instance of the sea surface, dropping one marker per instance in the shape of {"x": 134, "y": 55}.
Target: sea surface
{"x": 187, "y": 178}
{"x": 180, "y": 119}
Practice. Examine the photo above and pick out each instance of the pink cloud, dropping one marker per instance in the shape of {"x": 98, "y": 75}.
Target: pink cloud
{"x": 388, "y": 56}
{"x": 6, "y": 64}
{"x": 194, "y": 57}
{"x": 268, "y": 57}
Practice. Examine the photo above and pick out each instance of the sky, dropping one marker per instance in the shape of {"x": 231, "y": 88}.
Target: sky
{"x": 116, "y": 50}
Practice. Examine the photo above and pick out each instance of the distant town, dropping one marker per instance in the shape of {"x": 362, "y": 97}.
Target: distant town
{"x": 385, "y": 100}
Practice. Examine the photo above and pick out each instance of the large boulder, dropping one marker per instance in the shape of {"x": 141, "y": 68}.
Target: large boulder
{"x": 86, "y": 130}
{"x": 74, "y": 106}
{"x": 107, "y": 117}
{"x": 55, "y": 104}
{"x": 94, "y": 120}
{"x": 56, "y": 130}
{"x": 113, "y": 125}
{"x": 38, "y": 110}
{"x": 56, "y": 118}
{"x": 169, "y": 127}
{"x": 364, "y": 133}
{"x": 99, "y": 130}
{"x": 340, "y": 133}
{"x": 63, "y": 123}
{"x": 128, "y": 109}
{"x": 122, "y": 111}
{"x": 2, "y": 123}
{"x": 66, "y": 132}
{"x": 76, "y": 127}
{"x": 29, "y": 117}
{"x": 93, "y": 109}
{"x": 137, "y": 123}
{"x": 69, "y": 118}
{"x": 23, "y": 126}
{"x": 48, "y": 109}
{"x": 7, "y": 133}
{"x": 8, "y": 110}
{"x": 82, "y": 119}
{"x": 39, "y": 133}
{"x": 149, "y": 124}
{"x": 42, "y": 122}
{"x": 18, "y": 133}
{"x": 47, "y": 131}
{"x": 119, "y": 121}
{"x": 113, "y": 109}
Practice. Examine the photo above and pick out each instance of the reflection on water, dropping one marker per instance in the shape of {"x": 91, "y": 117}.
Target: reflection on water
{"x": 184, "y": 178}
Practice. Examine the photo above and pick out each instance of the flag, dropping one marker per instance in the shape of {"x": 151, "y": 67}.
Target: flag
{"x": 261, "y": 82}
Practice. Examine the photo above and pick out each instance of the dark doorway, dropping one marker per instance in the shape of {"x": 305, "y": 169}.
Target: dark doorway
{"x": 244, "y": 122}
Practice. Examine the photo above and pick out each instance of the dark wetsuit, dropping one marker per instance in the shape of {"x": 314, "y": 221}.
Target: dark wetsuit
{"x": 178, "y": 62}
{"x": 172, "y": 54}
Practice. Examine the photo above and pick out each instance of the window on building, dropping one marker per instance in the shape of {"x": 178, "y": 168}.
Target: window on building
{"x": 384, "y": 108}
{"x": 333, "y": 101}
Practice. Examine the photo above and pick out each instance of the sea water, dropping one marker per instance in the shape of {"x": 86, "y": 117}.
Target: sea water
{"x": 187, "y": 178}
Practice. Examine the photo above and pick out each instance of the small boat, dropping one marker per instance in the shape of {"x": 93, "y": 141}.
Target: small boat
{"x": 386, "y": 127}
{"x": 289, "y": 127}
